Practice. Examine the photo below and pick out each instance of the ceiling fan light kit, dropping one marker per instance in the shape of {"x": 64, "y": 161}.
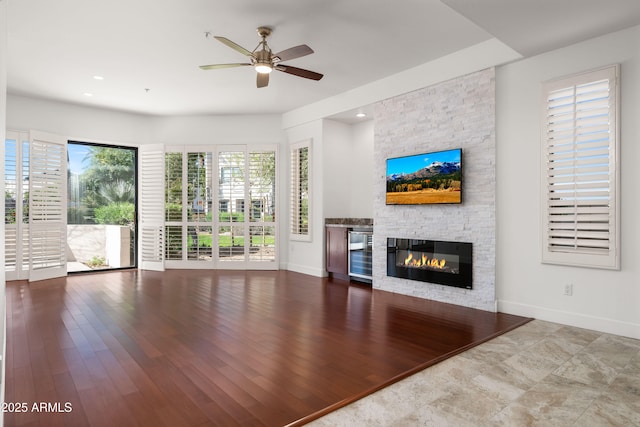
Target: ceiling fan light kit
{"x": 265, "y": 61}
{"x": 263, "y": 68}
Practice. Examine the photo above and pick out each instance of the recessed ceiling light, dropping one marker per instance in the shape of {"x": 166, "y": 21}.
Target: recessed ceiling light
{"x": 87, "y": 94}
{"x": 98, "y": 77}
{"x": 361, "y": 115}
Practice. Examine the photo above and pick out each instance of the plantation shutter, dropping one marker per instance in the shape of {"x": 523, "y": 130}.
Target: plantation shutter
{"x": 261, "y": 244}
{"x": 47, "y": 206}
{"x": 579, "y": 170}
{"x": 16, "y": 180}
{"x": 300, "y": 204}
{"x": 11, "y": 205}
{"x": 151, "y": 218}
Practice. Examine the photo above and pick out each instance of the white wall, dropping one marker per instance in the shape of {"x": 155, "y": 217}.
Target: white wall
{"x": 336, "y": 172}
{"x": 362, "y": 173}
{"x": 348, "y": 169}
{"x": 602, "y": 299}
{"x": 342, "y": 184}
{"x": 88, "y": 124}
{"x": 202, "y": 129}
{"x": 3, "y": 111}
{"x": 76, "y": 122}
{"x": 307, "y": 257}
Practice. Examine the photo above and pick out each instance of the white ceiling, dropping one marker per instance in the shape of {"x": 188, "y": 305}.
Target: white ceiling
{"x": 56, "y": 47}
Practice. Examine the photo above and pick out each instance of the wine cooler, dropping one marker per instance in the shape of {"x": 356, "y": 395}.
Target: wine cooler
{"x": 360, "y": 255}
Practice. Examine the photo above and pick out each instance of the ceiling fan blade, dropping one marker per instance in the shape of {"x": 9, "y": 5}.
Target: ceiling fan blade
{"x": 294, "y": 52}
{"x": 233, "y": 45}
{"x": 262, "y": 79}
{"x": 299, "y": 72}
{"x": 218, "y": 66}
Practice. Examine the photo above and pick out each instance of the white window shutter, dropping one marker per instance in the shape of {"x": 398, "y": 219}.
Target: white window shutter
{"x": 12, "y": 203}
{"x": 580, "y": 176}
{"x": 300, "y": 191}
{"x": 151, "y": 192}
{"x": 16, "y": 177}
{"x": 47, "y": 206}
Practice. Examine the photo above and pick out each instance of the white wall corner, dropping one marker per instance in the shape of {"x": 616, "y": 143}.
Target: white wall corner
{"x": 305, "y": 269}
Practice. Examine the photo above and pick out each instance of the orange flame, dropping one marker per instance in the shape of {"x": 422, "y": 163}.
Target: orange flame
{"x": 424, "y": 261}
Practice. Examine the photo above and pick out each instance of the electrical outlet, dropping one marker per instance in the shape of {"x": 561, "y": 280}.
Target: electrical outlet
{"x": 568, "y": 289}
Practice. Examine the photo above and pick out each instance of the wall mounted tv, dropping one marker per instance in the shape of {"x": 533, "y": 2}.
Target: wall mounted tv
{"x": 429, "y": 178}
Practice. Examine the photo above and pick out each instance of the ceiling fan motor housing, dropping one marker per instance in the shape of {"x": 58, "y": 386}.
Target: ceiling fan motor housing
{"x": 262, "y": 60}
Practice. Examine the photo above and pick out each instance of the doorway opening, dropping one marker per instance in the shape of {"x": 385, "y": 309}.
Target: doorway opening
{"x": 101, "y": 207}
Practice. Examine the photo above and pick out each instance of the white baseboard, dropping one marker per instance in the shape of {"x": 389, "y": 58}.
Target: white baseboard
{"x": 601, "y": 324}
{"x": 305, "y": 269}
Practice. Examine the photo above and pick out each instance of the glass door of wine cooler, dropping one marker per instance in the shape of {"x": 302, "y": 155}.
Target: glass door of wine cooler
{"x": 360, "y": 254}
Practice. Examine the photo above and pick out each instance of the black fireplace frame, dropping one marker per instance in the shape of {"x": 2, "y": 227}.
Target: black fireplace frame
{"x": 463, "y": 250}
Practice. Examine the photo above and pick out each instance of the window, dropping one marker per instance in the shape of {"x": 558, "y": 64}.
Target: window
{"x": 229, "y": 178}
{"x": 228, "y": 173}
{"x": 580, "y": 174}
{"x": 257, "y": 209}
{"x": 240, "y": 205}
{"x": 300, "y": 191}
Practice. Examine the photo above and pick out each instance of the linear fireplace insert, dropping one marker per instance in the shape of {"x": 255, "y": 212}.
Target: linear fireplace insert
{"x": 445, "y": 263}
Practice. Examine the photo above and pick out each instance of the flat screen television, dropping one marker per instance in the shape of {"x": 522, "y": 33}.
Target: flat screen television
{"x": 429, "y": 178}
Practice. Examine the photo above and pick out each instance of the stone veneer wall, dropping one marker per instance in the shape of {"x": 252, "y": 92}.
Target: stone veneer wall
{"x": 459, "y": 113}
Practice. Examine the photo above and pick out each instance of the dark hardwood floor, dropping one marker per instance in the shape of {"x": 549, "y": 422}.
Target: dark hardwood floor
{"x": 217, "y": 348}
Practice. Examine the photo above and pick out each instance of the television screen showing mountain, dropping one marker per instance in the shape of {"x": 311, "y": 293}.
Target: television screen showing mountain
{"x": 425, "y": 178}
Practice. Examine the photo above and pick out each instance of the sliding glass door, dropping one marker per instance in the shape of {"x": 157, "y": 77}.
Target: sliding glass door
{"x": 101, "y": 210}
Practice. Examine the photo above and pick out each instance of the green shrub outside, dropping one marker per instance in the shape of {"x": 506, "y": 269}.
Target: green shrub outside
{"x": 173, "y": 212}
{"x": 120, "y": 213}
{"x": 231, "y": 217}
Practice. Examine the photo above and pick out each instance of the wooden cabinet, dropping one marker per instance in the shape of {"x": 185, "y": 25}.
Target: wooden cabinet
{"x": 337, "y": 252}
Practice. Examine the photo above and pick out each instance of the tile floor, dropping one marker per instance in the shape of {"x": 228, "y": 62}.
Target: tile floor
{"x": 541, "y": 374}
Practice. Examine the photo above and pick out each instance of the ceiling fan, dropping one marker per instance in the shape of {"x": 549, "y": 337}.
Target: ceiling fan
{"x": 264, "y": 61}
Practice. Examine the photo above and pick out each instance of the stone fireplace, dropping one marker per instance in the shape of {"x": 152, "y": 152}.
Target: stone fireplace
{"x": 445, "y": 263}
{"x": 457, "y": 113}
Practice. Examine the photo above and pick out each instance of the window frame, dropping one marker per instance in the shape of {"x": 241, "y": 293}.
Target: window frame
{"x": 582, "y": 255}
{"x": 296, "y": 231}
{"x": 255, "y": 233}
